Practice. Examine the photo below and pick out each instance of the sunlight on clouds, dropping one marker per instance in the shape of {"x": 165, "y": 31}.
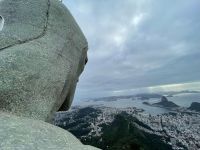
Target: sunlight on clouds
{"x": 118, "y": 39}
{"x": 176, "y": 87}
{"x": 119, "y": 36}
{"x": 137, "y": 19}
{"x": 195, "y": 86}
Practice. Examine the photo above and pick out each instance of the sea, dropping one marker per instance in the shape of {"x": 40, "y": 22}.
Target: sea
{"x": 183, "y": 100}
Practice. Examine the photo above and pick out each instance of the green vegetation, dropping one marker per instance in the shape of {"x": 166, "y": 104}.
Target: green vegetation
{"x": 122, "y": 134}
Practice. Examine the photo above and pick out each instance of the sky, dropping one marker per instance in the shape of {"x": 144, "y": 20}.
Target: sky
{"x": 138, "y": 46}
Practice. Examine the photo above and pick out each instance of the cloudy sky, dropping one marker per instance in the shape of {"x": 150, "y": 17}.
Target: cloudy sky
{"x": 138, "y": 45}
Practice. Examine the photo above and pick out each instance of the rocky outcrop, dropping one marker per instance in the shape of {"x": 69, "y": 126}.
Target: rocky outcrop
{"x": 42, "y": 54}
{"x": 18, "y": 133}
{"x": 165, "y": 103}
{"x": 195, "y": 106}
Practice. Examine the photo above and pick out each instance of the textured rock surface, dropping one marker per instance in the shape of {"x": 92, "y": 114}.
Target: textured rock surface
{"x": 22, "y": 134}
{"x": 42, "y": 54}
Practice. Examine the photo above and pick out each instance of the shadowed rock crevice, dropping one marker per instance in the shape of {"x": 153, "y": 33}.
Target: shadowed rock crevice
{"x": 1, "y": 23}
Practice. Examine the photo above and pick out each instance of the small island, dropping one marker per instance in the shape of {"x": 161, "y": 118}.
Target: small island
{"x": 164, "y": 103}
{"x": 195, "y": 106}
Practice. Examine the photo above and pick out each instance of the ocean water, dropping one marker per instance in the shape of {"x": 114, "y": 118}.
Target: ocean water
{"x": 183, "y": 100}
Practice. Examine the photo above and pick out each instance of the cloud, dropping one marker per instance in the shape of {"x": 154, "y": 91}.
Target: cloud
{"x": 137, "y": 44}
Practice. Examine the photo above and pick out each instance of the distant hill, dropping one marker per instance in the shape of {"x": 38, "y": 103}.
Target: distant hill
{"x": 163, "y": 103}
{"x": 123, "y": 132}
{"x": 143, "y": 96}
{"x": 195, "y": 106}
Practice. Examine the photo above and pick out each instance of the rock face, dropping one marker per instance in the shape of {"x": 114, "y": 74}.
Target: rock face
{"x": 18, "y": 133}
{"x": 165, "y": 103}
{"x": 164, "y": 99}
{"x": 42, "y": 54}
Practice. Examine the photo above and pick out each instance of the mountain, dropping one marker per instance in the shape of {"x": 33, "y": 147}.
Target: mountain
{"x": 165, "y": 103}
{"x": 111, "y": 129}
{"x": 122, "y": 133}
{"x": 195, "y": 106}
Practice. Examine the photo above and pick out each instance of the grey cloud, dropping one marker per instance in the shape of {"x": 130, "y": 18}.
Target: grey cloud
{"x": 136, "y": 44}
